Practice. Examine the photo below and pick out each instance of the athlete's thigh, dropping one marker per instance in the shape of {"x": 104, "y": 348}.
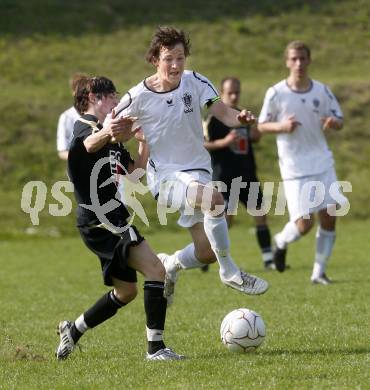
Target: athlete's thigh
{"x": 142, "y": 258}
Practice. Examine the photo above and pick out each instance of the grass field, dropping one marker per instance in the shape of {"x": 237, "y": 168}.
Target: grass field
{"x": 317, "y": 337}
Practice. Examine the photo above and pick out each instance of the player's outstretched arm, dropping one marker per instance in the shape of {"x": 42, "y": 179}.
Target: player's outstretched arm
{"x": 231, "y": 117}
{"x": 116, "y": 130}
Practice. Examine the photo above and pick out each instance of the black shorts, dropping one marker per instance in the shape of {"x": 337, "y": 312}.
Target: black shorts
{"x": 250, "y": 196}
{"x": 113, "y": 251}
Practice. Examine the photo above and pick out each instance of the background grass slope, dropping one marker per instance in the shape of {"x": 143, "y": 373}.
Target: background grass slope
{"x": 43, "y": 42}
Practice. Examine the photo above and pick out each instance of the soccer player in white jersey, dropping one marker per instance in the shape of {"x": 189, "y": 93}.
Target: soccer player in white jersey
{"x": 299, "y": 111}
{"x": 66, "y": 122}
{"x": 168, "y": 105}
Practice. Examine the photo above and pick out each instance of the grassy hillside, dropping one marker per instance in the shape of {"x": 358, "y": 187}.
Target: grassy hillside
{"x": 43, "y": 42}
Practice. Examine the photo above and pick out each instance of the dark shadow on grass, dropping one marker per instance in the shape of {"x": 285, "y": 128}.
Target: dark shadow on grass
{"x": 21, "y": 18}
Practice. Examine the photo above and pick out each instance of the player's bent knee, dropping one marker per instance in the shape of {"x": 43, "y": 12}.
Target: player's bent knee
{"x": 159, "y": 272}
{"x": 127, "y": 294}
{"x": 155, "y": 271}
{"x": 217, "y": 202}
{"x": 206, "y": 256}
{"x": 306, "y": 226}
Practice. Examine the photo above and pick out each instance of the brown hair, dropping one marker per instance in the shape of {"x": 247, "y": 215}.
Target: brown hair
{"x": 100, "y": 86}
{"x": 167, "y": 37}
{"x": 297, "y": 45}
{"x": 75, "y": 79}
{"x": 232, "y": 79}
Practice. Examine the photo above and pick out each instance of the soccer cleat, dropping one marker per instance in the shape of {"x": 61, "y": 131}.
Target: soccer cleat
{"x": 66, "y": 345}
{"x": 249, "y": 284}
{"x": 165, "y": 354}
{"x": 323, "y": 279}
{"x": 171, "y": 276}
{"x": 270, "y": 265}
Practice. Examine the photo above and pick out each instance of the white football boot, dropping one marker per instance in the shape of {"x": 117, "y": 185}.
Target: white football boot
{"x": 165, "y": 354}
{"x": 172, "y": 267}
{"x": 323, "y": 279}
{"x": 246, "y": 283}
{"x": 66, "y": 345}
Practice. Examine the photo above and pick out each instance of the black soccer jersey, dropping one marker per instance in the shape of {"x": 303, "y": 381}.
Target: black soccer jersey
{"x": 235, "y": 160}
{"x": 88, "y": 186}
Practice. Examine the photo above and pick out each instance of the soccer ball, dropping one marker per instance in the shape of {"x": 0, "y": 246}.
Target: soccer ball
{"x": 242, "y": 330}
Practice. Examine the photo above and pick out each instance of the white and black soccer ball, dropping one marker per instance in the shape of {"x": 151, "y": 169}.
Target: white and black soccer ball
{"x": 242, "y": 330}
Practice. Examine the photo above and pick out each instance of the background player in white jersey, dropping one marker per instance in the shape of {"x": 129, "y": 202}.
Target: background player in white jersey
{"x": 66, "y": 122}
{"x": 168, "y": 105}
{"x": 299, "y": 110}
{"x": 232, "y": 156}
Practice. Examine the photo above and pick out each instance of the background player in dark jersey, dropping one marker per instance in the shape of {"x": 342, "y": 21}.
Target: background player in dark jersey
{"x": 232, "y": 156}
{"x": 120, "y": 247}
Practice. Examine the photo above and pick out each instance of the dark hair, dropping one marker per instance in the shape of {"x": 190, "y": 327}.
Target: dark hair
{"x": 167, "y": 37}
{"x": 297, "y": 45}
{"x": 232, "y": 79}
{"x": 100, "y": 86}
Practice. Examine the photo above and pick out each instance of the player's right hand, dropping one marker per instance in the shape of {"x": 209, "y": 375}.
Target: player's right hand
{"x": 289, "y": 125}
{"x": 231, "y": 138}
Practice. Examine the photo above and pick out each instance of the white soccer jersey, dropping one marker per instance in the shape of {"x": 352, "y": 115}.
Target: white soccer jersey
{"x": 303, "y": 152}
{"x": 65, "y": 128}
{"x": 172, "y": 123}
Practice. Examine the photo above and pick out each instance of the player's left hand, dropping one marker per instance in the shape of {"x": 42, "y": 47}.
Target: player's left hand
{"x": 246, "y": 117}
{"x": 331, "y": 123}
{"x": 122, "y": 129}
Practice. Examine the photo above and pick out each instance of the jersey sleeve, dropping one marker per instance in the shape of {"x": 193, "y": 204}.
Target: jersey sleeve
{"x": 270, "y": 107}
{"x": 333, "y": 107}
{"x": 81, "y": 131}
{"x": 208, "y": 94}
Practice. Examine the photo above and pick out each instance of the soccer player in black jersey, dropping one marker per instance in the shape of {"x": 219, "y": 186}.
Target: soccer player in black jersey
{"x": 95, "y": 158}
{"x": 232, "y": 156}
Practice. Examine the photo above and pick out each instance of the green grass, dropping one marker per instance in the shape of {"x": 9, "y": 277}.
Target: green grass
{"x": 317, "y": 337}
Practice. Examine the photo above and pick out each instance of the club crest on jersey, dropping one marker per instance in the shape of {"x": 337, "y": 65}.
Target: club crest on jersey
{"x": 316, "y": 103}
{"x": 187, "y": 99}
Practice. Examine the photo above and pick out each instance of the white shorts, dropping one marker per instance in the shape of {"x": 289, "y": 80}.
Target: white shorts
{"x": 310, "y": 194}
{"x": 172, "y": 194}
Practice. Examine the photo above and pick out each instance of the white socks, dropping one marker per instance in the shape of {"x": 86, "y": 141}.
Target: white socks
{"x": 81, "y": 324}
{"x": 324, "y": 246}
{"x": 218, "y": 235}
{"x": 154, "y": 334}
{"x": 186, "y": 257}
{"x": 289, "y": 234}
